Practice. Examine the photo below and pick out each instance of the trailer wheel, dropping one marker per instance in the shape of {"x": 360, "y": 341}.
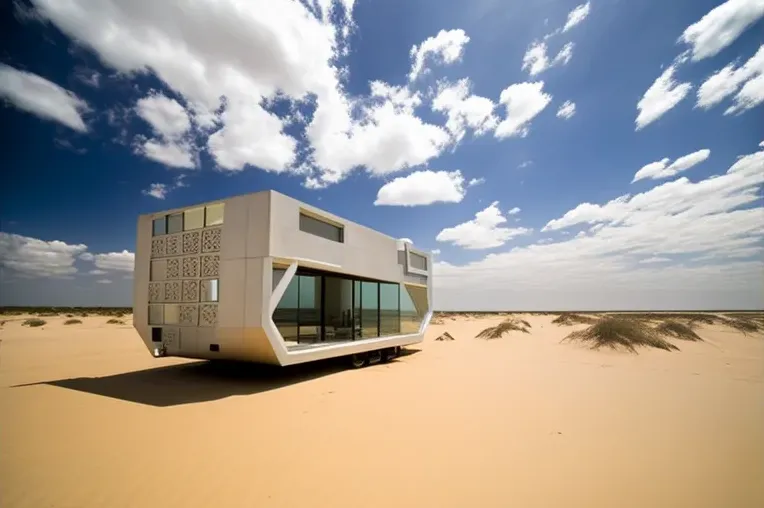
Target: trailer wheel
{"x": 358, "y": 360}
{"x": 389, "y": 354}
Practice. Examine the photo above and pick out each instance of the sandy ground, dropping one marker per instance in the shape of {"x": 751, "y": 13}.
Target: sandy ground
{"x": 89, "y": 419}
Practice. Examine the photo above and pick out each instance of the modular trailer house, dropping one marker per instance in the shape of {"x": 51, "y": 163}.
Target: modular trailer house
{"x": 265, "y": 278}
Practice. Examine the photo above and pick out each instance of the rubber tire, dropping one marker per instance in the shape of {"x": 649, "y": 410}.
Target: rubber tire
{"x": 371, "y": 358}
{"x": 359, "y": 360}
{"x": 389, "y": 354}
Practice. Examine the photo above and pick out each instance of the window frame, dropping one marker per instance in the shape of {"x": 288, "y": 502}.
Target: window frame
{"x": 315, "y": 217}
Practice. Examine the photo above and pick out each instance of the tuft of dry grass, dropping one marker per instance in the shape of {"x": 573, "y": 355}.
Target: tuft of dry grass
{"x": 445, "y": 337}
{"x": 33, "y": 322}
{"x": 113, "y": 321}
{"x": 677, "y": 330}
{"x": 508, "y": 325}
{"x": 620, "y": 333}
{"x": 706, "y": 319}
{"x": 742, "y": 324}
{"x": 72, "y": 322}
{"x": 569, "y": 318}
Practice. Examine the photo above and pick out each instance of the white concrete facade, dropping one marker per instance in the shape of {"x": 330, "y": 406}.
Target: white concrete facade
{"x": 204, "y": 287}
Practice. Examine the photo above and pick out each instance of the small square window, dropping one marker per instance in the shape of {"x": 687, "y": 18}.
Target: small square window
{"x": 174, "y": 223}
{"x": 210, "y": 290}
{"x": 171, "y": 314}
{"x": 160, "y": 226}
{"x": 193, "y": 219}
{"x": 214, "y": 215}
{"x": 156, "y": 314}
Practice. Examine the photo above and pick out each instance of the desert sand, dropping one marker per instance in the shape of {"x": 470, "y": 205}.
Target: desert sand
{"x": 89, "y": 419}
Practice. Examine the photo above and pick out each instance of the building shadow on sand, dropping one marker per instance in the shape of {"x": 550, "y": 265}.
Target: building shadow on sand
{"x": 200, "y": 381}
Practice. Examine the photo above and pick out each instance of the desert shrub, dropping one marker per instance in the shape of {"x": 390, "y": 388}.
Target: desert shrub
{"x": 569, "y": 318}
{"x": 72, "y": 322}
{"x": 445, "y": 337}
{"x": 742, "y": 324}
{"x": 70, "y": 315}
{"x": 33, "y": 322}
{"x": 678, "y": 331}
{"x": 47, "y": 314}
{"x": 508, "y": 325}
{"x": 113, "y": 321}
{"x": 706, "y": 319}
{"x": 619, "y": 333}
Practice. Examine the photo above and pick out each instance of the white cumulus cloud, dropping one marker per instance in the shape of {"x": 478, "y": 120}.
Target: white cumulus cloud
{"x": 662, "y": 169}
{"x": 446, "y": 47}
{"x": 567, "y": 110}
{"x": 536, "y": 61}
{"x": 463, "y": 109}
{"x": 523, "y": 102}
{"x": 32, "y": 257}
{"x": 45, "y": 99}
{"x": 485, "y": 231}
{"x": 721, "y": 26}
{"x": 728, "y": 80}
{"x": 423, "y": 188}
{"x": 119, "y": 261}
{"x": 663, "y": 95}
{"x": 576, "y": 16}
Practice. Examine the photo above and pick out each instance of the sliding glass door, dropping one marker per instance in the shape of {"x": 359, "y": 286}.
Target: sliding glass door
{"x": 322, "y": 307}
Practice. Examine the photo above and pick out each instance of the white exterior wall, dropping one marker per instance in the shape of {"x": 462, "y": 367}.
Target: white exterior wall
{"x": 259, "y": 229}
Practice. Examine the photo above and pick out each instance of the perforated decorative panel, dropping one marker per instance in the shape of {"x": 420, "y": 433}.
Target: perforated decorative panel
{"x": 157, "y": 247}
{"x": 173, "y": 268}
{"x": 210, "y": 266}
{"x": 189, "y": 315}
{"x": 191, "y": 241}
{"x": 208, "y": 314}
{"x": 190, "y": 267}
{"x": 211, "y": 240}
{"x": 171, "y": 337}
{"x": 191, "y": 291}
{"x": 172, "y": 245}
{"x": 155, "y": 291}
{"x": 172, "y": 291}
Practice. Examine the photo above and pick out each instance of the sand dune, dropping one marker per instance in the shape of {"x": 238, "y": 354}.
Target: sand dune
{"x": 89, "y": 419}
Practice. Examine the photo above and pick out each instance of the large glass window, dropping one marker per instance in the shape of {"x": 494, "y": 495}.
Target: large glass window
{"x": 174, "y": 223}
{"x": 369, "y": 309}
{"x": 321, "y": 228}
{"x": 214, "y": 215}
{"x": 417, "y": 261}
{"x": 210, "y": 290}
{"x": 193, "y": 218}
{"x": 413, "y": 307}
{"x": 338, "y": 309}
{"x": 389, "y": 309}
{"x": 285, "y": 316}
{"x": 323, "y": 307}
{"x": 160, "y": 226}
{"x": 309, "y": 313}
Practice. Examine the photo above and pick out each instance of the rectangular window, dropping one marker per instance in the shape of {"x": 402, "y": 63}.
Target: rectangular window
{"x": 389, "y": 309}
{"x": 174, "y": 223}
{"x": 214, "y": 215}
{"x": 309, "y": 313}
{"x": 160, "y": 226}
{"x": 338, "y": 309}
{"x": 285, "y": 315}
{"x": 193, "y": 219}
{"x": 156, "y": 314}
{"x": 210, "y": 290}
{"x": 417, "y": 261}
{"x": 171, "y": 314}
{"x": 369, "y": 310}
{"x": 321, "y": 228}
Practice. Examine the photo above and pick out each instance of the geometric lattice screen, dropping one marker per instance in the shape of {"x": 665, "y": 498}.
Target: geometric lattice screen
{"x": 185, "y": 268}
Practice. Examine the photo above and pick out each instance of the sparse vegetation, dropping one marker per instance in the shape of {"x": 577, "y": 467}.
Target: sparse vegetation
{"x": 621, "y": 333}
{"x": 445, "y": 337}
{"x": 677, "y": 330}
{"x": 72, "y": 322}
{"x": 570, "y": 318}
{"x": 508, "y": 325}
{"x": 33, "y": 322}
{"x": 113, "y": 321}
{"x": 742, "y": 324}
{"x": 55, "y": 311}
{"x": 706, "y": 319}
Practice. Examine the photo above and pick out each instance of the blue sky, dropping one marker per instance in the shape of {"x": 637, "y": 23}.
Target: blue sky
{"x": 368, "y": 109}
